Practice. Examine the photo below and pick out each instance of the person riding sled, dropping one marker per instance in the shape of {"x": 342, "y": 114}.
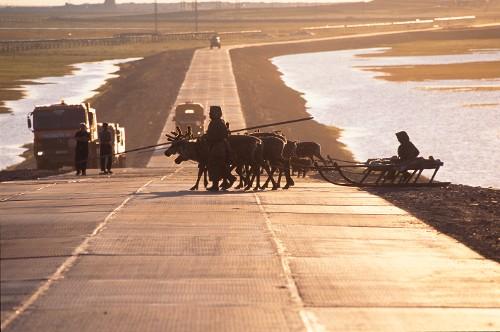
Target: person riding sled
{"x": 407, "y": 154}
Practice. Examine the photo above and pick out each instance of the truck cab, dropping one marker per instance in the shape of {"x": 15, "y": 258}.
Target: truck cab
{"x": 191, "y": 115}
{"x": 54, "y": 129}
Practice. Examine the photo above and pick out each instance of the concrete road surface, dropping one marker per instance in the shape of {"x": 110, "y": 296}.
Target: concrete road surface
{"x": 137, "y": 251}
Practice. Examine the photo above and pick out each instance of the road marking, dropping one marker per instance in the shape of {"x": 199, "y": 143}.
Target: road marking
{"x": 308, "y": 318}
{"x": 58, "y": 274}
{"x": 26, "y": 192}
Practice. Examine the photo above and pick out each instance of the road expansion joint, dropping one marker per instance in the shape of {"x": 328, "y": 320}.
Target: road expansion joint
{"x": 70, "y": 261}
{"x": 308, "y": 318}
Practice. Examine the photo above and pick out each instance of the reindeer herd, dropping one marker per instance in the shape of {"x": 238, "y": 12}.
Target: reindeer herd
{"x": 251, "y": 156}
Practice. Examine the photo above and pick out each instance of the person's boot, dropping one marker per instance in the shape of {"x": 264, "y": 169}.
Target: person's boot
{"x": 231, "y": 179}
{"x": 214, "y": 187}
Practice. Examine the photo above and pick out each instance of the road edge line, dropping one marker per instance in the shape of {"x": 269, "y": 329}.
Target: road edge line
{"x": 58, "y": 274}
{"x": 308, "y": 318}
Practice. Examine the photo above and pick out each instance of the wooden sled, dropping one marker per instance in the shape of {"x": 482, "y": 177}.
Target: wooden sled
{"x": 385, "y": 172}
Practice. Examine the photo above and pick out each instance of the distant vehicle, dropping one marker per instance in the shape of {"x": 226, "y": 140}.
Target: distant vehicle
{"x": 54, "y": 129}
{"x": 215, "y": 41}
{"x": 118, "y": 134}
{"x": 191, "y": 115}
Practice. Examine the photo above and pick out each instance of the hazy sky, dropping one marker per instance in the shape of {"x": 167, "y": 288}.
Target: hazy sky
{"x": 62, "y": 2}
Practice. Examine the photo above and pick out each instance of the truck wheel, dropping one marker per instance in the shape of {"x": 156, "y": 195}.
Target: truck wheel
{"x": 45, "y": 164}
{"x": 41, "y": 164}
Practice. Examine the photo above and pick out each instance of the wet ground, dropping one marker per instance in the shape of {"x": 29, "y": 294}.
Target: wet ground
{"x": 73, "y": 89}
{"x": 437, "y": 114}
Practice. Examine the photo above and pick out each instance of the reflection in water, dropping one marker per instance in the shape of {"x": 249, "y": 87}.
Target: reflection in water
{"x": 439, "y": 121}
{"x": 73, "y": 89}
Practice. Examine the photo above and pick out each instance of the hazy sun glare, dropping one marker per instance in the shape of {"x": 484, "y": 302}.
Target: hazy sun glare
{"x": 77, "y": 2}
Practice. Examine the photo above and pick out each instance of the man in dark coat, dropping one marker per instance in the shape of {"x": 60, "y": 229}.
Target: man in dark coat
{"x": 216, "y": 136}
{"x": 82, "y": 137}
{"x": 106, "y": 149}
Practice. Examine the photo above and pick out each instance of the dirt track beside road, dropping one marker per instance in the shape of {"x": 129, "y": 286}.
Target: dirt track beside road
{"x": 141, "y": 98}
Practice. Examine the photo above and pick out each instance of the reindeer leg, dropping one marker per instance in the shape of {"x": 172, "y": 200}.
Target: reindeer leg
{"x": 249, "y": 180}
{"x": 279, "y": 177}
{"x": 270, "y": 172}
{"x": 196, "y": 185}
{"x": 270, "y": 177}
{"x": 256, "y": 173}
{"x": 240, "y": 170}
{"x": 253, "y": 172}
{"x": 240, "y": 175}
{"x": 289, "y": 180}
{"x": 205, "y": 176}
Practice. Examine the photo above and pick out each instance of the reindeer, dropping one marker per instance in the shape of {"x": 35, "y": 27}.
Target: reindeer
{"x": 245, "y": 151}
{"x": 309, "y": 150}
{"x": 300, "y": 165}
{"x": 277, "y": 152}
{"x": 184, "y": 145}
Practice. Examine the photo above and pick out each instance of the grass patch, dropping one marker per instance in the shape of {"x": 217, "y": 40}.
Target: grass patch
{"x": 437, "y": 47}
{"x": 454, "y": 71}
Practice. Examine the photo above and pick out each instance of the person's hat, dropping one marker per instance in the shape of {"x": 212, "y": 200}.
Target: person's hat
{"x": 83, "y": 125}
{"x": 215, "y": 111}
{"x": 403, "y": 136}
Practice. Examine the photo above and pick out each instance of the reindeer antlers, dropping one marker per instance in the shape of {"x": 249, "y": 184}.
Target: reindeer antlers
{"x": 178, "y": 134}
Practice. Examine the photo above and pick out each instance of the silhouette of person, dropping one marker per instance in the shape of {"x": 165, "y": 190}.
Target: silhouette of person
{"x": 406, "y": 150}
{"x": 407, "y": 153}
{"x": 82, "y": 137}
{"x": 216, "y": 136}
{"x": 106, "y": 149}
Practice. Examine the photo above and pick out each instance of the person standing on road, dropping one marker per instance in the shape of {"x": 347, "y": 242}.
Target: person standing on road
{"x": 217, "y": 134}
{"x": 106, "y": 149}
{"x": 82, "y": 138}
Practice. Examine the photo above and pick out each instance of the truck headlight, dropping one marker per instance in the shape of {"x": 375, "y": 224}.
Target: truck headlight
{"x": 39, "y": 153}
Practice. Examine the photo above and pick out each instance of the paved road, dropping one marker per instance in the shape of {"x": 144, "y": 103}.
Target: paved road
{"x": 138, "y": 252}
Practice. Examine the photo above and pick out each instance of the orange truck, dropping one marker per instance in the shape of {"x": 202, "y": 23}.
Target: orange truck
{"x": 54, "y": 129}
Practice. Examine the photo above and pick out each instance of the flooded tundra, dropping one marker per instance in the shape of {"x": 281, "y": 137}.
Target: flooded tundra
{"x": 76, "y": 87}
{"x": 457, "y": 121}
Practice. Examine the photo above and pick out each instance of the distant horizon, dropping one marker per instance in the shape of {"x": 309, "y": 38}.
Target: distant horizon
{"x": 52, "y": 3}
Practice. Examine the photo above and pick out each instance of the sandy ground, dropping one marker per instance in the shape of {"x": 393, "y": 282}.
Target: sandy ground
{"x": 470, "y": 215}
{"x": 141, "y": 98}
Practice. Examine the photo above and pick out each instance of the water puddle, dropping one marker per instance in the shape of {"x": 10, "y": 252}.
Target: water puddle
{"x": 457, "y": 121}
{"x": 73, "y": 88}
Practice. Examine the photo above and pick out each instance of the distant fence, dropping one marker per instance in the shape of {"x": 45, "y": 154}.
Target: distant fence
{"x": 437, "y": 20}
{"x": 16, "y": 46}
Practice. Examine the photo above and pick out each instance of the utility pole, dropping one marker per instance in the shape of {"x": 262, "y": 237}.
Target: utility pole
{"x": 196, "y": 15}
{"x": 156, "y": 17}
